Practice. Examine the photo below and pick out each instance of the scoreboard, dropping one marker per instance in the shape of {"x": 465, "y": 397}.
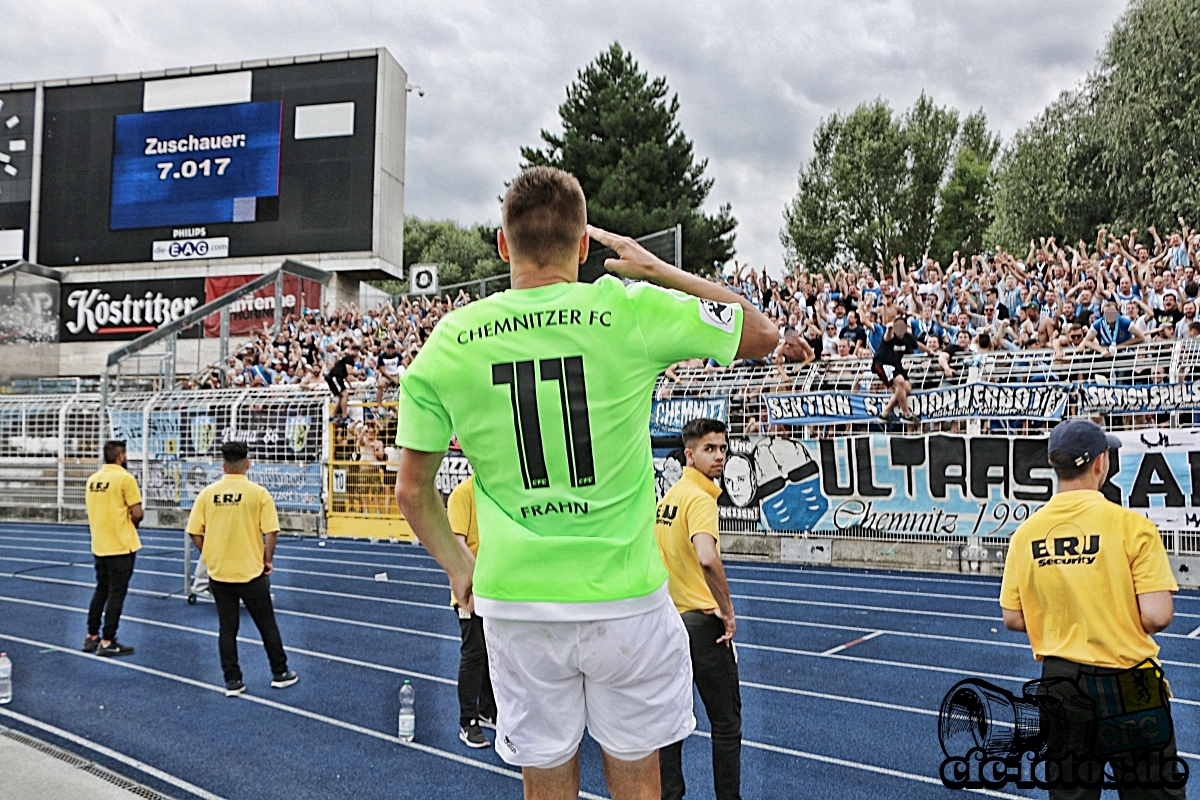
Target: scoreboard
{"x": 300, "y": 156}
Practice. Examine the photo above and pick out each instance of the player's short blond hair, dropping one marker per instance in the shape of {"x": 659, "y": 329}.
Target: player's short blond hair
{"x": 545, "y": 214}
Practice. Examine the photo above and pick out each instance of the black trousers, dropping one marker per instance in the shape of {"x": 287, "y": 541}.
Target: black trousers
{"x": 112, "y": 582}
{"x": 714, "y": 668}
{"x": 256, "y": 594}
{"x": 1078, "y": 719}
{"x": 475, "y": 698}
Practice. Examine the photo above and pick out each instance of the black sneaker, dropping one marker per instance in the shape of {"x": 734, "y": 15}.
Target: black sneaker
{"x": 285, "y": 680}
{"x": 911, "y": 418}
{"x": 90, "y": 644}
{"x": 472, "y": 736}
{"x": 884, "y": 416}
{"x": 487, "y": 722}
{"x": 234, "y": 688}
{"x": 113, "y": 648}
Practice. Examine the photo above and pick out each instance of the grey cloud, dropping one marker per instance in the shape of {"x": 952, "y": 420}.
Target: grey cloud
{"x": 753, "y": 78}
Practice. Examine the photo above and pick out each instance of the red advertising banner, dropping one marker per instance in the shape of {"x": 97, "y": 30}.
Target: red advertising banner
{"x": 250, "y": 312}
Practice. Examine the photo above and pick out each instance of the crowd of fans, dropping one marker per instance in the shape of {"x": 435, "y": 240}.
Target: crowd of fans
{"x": 1113, "y": 293}
{"x": 1102, "y": 296}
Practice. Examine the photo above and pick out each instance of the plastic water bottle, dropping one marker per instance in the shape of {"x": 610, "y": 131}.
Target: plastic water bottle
{"x": 408, "y": 713}
{"x": 5, "y": 679}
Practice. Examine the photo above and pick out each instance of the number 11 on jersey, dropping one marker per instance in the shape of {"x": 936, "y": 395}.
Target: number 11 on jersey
{"x": 522, "y": 389}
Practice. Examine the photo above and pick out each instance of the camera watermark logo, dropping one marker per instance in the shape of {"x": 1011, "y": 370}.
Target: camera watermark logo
{"x": 1105, "y": 730}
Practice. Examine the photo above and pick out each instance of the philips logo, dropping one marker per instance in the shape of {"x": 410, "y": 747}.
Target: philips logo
{"x": 184, "y": 249}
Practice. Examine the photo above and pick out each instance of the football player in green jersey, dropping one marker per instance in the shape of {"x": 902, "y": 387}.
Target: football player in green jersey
{"x": 548, "y": 388}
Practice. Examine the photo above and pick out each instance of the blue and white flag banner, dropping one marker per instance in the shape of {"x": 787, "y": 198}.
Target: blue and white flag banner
{"x": 978, "y": 400}
{"x": 667, "y": 417}
{"x": 1155, "y": 398}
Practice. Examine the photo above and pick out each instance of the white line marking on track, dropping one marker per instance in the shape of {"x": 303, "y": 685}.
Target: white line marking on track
{"x": 423, "y": 748}
{"x": 462, "y": 759}
{"x": 893, "y": 610}
{"x": 128, "y": 761}
{"x": 247, "y": 640}
{"x": 842, "y": 762}
{"x": 1194, "y": 633}
{"x": 151, "y": 546}
{"x": 853, "y": 642}
{"x": 869, "y": 590}
{"x": 274, "y": 587}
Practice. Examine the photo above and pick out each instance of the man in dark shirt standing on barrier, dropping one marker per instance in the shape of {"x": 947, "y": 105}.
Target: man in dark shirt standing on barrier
{"x": 888, "y": 366}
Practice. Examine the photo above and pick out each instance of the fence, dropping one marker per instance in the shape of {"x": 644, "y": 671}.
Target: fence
{"x": 363, "y": 465}
{"x": 806, "y": 454}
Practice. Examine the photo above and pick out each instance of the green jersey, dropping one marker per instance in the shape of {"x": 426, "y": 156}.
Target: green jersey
{"x": 549, "y": 391}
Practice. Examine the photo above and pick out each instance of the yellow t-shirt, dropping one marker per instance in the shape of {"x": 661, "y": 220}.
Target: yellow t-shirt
{"x": 460, "y": 508}
{"x": 688, "y": 508}
{"x": 232, "y": 515}
{"x": 1075, "y": 568}
{"x": 110, "y": 494}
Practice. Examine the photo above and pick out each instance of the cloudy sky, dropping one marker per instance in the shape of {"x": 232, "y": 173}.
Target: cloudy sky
{"x": 753, "y": 78}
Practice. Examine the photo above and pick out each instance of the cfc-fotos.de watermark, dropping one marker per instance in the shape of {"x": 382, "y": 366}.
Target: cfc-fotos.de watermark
{"x": 1102, "y": 729}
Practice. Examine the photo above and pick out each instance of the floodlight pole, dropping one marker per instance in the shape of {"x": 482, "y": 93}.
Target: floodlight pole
{"x": 224, "y": 344}
{"x": 278, "y": 304}
{"x": 679, "y": 246}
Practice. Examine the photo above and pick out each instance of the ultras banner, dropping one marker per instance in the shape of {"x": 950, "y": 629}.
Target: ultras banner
{"x": 937, "y": 485}
{"x": 980, "y": 400}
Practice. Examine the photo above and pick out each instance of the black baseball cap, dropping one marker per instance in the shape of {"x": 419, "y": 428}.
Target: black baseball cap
{"x": 1075, "y": 442}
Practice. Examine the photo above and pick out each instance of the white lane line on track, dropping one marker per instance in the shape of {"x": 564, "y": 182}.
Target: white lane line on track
{"x": 920, "y": 612}
{"x": 903, "y": 634}
{"x": 305, "y": 544}
{"x": 128, "y": 761}
{"x": 748, "y": 646}
{"x": 423, "y": 748}
{"x": 274, "y": 586}
{"x": 88, "y": 565}
{"x": 406, "y": 567}
{"x": 841, "y": 762}
{"x": 868, "y": 590}
{"x": 895, "y": 610}
{"x": 852, "y": 642}
{"x": 246, "y": 640}
{"x": 860, "y": 607}
{"x": 845, "y": 573}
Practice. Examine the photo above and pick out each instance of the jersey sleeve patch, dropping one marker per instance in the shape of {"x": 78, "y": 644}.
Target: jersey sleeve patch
{"x": 719, "y": 315}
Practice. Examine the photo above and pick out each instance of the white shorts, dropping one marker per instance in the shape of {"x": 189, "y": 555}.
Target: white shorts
{"x": 628, "y": 680}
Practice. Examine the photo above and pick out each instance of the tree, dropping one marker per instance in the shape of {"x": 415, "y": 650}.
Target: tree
{"x": 929, "y": 134}
{"x": 1145, "y": 100}
{"x": 965, "y": 211}
{"x": 874, "y": 186}
{"x": 622, "y": 141}
{"x": 462, "y": 254}
{"x": 1119, "y": 151}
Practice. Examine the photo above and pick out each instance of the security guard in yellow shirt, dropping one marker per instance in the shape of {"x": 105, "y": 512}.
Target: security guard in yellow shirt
{"x": 114, "y": 508}
{"x": 476, "y": 703}
{"x": 229, "y": 523}
{"x": 1089, "y": 582}
{"x": 689, "y": 541}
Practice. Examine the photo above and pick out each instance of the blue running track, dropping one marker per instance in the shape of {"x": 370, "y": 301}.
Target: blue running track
{"x": 842, "y": 674}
